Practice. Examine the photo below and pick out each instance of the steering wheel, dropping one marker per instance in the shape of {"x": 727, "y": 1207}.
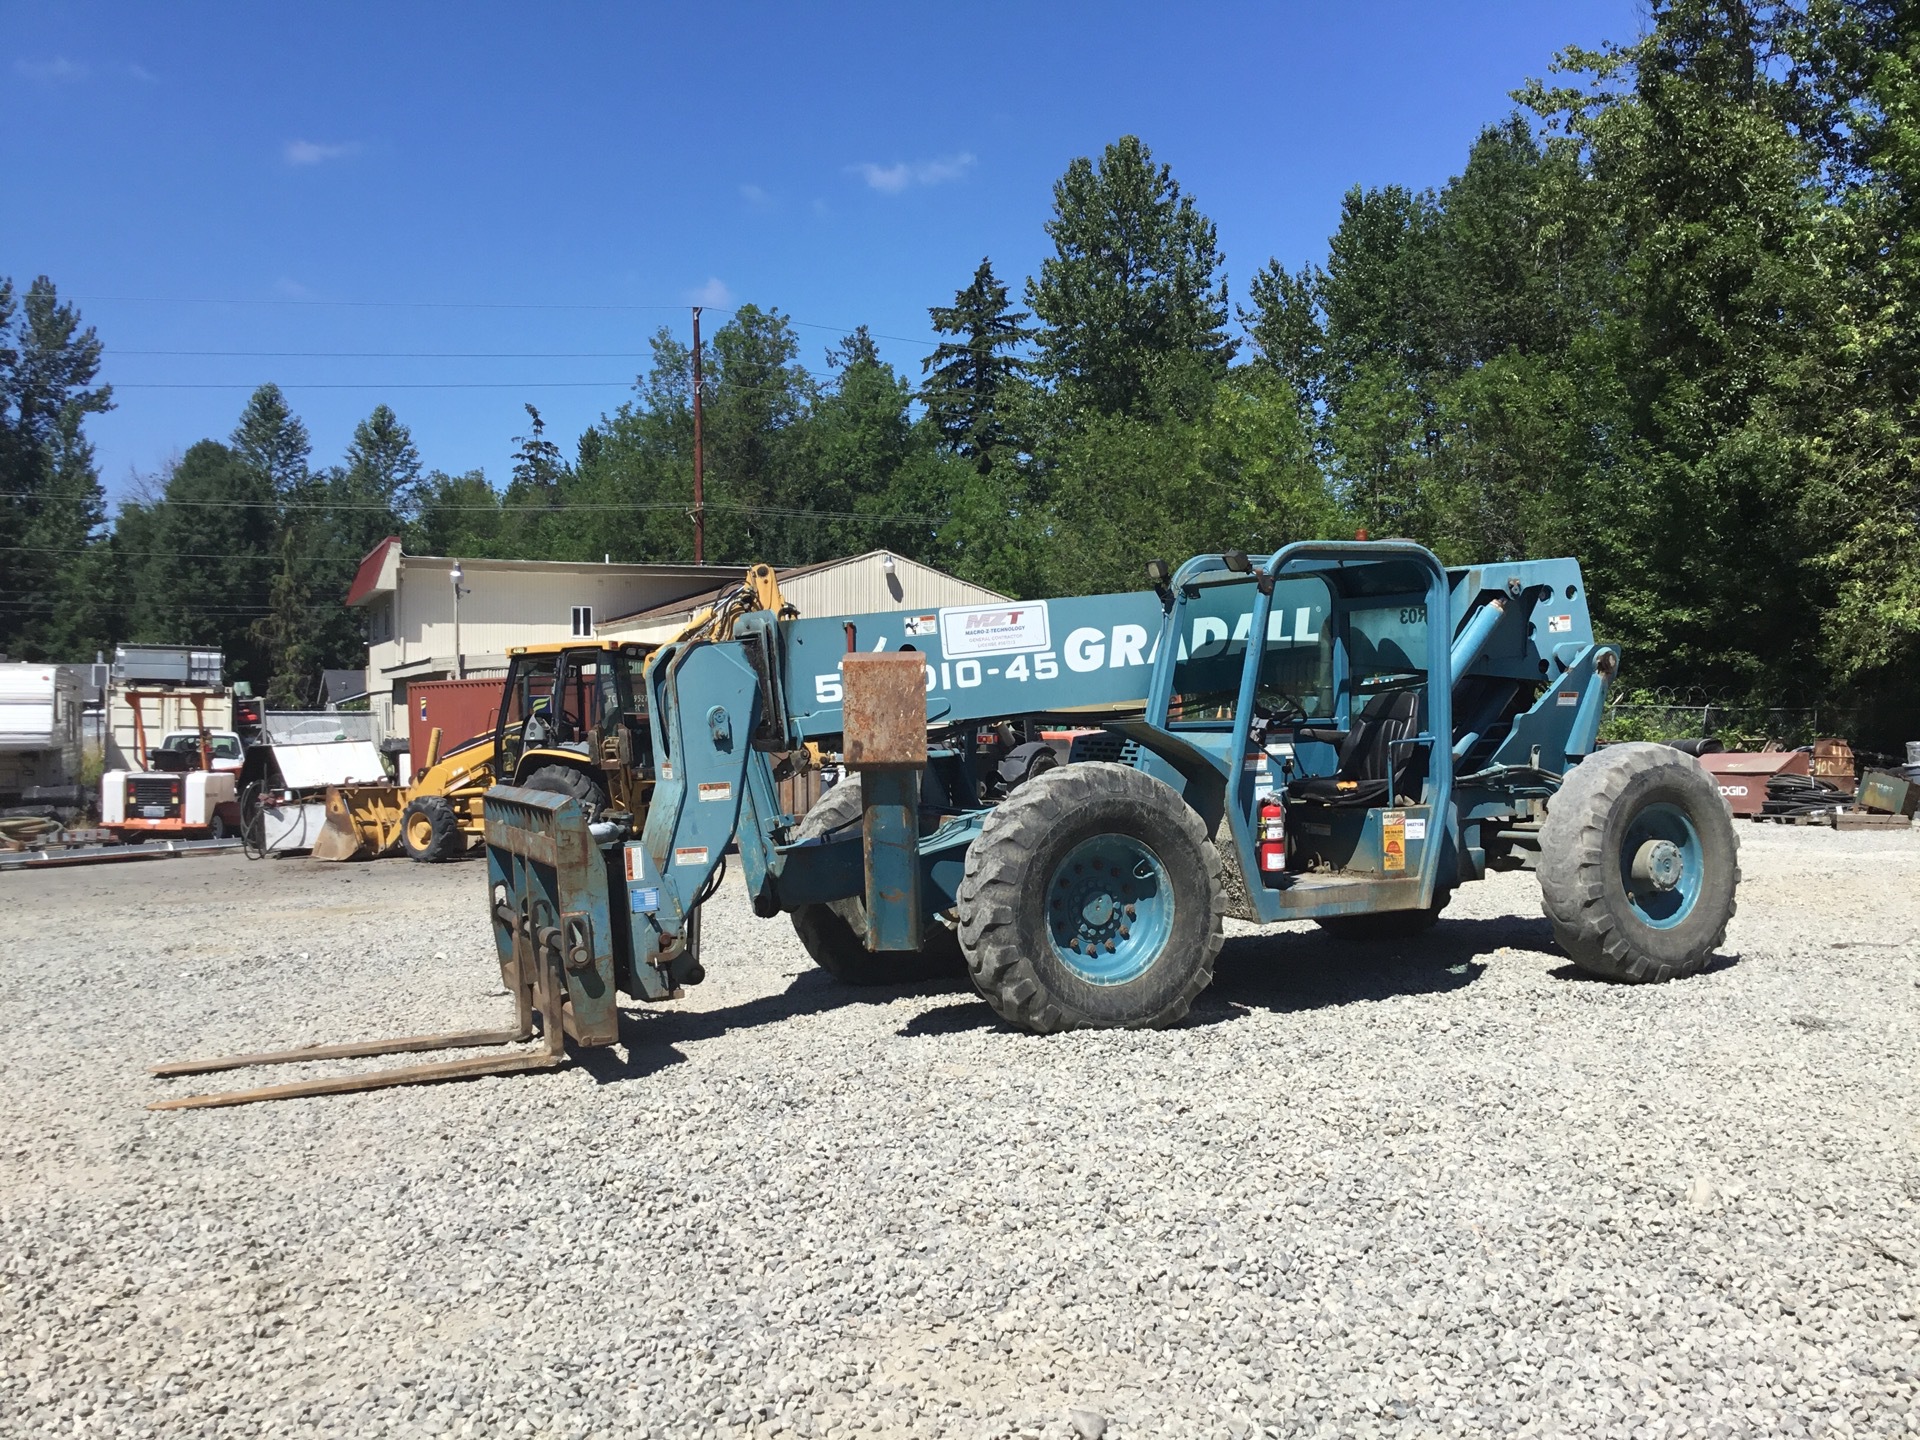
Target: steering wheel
{"x": 1289, "y": 705}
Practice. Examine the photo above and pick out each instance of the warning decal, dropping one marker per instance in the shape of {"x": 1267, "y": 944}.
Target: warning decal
{"x": 691, "y": 855}
{"x": 1393, "y": 839}
{"x": 716, "y": 790}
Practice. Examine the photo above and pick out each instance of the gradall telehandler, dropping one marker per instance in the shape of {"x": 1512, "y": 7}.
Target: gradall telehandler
{"x": 1341, "y": 731}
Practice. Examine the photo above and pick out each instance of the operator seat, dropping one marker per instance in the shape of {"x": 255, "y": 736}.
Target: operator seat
{"x": 1361, "y": 778}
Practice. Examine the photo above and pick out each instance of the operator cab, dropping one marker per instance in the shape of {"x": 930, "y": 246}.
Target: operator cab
{"x": 1328, "y": 769}
{"x": 582, "y": 703}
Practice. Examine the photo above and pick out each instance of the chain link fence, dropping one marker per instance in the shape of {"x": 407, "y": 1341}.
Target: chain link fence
{"x": 1735, "y": 721}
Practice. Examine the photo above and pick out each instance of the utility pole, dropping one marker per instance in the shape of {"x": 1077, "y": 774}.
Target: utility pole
{"x": 699, "y": 459}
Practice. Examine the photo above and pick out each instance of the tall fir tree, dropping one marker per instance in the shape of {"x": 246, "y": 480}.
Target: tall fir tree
{"x": 57, "y": 601}
{"x": 205, "y": 580}
{"x": 970, "y": 379}
{"x": 271, "y": 440}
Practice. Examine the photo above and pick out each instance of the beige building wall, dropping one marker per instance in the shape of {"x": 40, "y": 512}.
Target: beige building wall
{"x": 409, "y": 602}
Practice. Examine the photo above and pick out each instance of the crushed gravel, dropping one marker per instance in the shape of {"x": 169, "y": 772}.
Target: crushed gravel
{"x": 1445, "y": 1188}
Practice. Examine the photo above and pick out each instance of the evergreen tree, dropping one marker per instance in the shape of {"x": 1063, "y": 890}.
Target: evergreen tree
{"x": 1284, "y": 325}
{"x": 271, "y": 441}
{"x": 56, "y": 602}
{"x": 331, "y": 522}
{"x": 968, "y": 379}
{"x": 870, "y": 472}
{"x": 536, "y": 464}
{"x": 1132, "y": 299}
{"x": 205, "y": 579}
{"x": 757, "y": 400}
{"x": 1717, "y": 342}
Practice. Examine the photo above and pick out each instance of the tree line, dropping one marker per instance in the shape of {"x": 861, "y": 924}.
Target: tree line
{"x": 1665, "y": 319}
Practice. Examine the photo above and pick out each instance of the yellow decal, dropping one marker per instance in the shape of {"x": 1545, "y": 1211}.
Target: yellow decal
{"x": 1393, "y": 839}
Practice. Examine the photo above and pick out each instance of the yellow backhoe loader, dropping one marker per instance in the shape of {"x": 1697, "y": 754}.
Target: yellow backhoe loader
{"x": 572, "y": 720}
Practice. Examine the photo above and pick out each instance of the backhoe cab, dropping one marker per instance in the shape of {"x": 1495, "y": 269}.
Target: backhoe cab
{"x": 570, "y": 721}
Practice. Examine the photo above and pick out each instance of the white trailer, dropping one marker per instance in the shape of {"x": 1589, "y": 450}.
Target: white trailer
{"x": 39, "y": 730}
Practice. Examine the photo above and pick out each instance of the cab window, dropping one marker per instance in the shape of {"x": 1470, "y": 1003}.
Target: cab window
{"x": 1387, "y": 645}
{"x": 1296, "y": 680}
{"x": 529, "y": 694}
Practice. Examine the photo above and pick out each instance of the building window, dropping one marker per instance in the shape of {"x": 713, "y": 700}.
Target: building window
{"x": 583, "y": 620}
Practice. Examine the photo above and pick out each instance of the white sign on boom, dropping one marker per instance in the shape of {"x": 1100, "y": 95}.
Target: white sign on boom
{"x": 1005, "y": 629}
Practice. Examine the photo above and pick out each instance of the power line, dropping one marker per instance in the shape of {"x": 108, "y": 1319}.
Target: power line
{"x": 260, "y": 555}
{"x": 644, "y": 506}
{"x": 921, "y": 341}
{"x": 377, "y": 385}
{"x": 403, "y": 354}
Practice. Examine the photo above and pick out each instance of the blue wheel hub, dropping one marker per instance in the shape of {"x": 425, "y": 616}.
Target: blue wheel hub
{"x": 1109, "y": 909}
{"x": 1662, "y": 866}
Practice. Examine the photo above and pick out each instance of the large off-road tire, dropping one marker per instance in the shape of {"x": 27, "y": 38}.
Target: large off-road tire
{"x": 1387, "y": 924}
{"x": 1092, "y": 900}
{"x": 429, "y": 830}
{"x": 833, "y": 932}
{"x": 562, "y": 780}
{"x": 1639, "y": 864}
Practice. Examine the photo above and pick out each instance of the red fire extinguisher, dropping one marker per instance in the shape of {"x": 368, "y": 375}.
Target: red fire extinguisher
{"x": 1273, "y": 836}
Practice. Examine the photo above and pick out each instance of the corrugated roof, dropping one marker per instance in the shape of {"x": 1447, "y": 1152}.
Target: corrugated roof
{"x": 693, "y": 603}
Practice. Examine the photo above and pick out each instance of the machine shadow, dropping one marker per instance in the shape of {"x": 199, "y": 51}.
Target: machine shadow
{"x": 1283, "y": 973}
{"x": 650, "y": 1037}
{"x": 1313, "y": 970}
{"x": 1573, "y": 974}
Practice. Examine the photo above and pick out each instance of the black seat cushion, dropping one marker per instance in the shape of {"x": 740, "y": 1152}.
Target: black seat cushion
{"x": 1361, "y": 777}
{"x": 1325, "y": 790}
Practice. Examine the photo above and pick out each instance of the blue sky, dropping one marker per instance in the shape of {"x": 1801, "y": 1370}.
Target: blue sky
{"x": 361, "y": 185}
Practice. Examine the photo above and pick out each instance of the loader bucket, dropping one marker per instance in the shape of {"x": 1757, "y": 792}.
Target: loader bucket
{"x": 363, "y": 822}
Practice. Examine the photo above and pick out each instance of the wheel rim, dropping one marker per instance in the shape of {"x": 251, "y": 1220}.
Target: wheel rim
{"x": 420, "y": 832}
{"x": 1661, "y": 865}
{"x": 1109, "y": 909}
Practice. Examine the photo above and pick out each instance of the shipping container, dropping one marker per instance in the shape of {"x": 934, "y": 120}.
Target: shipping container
{"x": 167, "y": 665}
{"x": 460, "y": 709}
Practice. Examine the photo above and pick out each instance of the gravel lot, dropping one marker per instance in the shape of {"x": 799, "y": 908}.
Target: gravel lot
{"x": 1450, "y": 1188}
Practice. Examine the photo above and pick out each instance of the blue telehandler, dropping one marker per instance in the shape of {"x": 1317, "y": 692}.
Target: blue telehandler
{"x": 1342, "y": 732}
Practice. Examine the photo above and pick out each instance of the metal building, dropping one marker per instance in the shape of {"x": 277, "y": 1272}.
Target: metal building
{"x": 857, "y": 585}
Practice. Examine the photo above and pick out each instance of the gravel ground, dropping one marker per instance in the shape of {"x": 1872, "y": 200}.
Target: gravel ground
{"x": 1449, "y": 1188}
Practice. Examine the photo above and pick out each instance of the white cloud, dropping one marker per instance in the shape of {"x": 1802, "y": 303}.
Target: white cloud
{"x": 754, "y": 195}
{"x": 892, "y": 179}
{"x": 58, "y": 71}
{"x": 714, "y": 293}
{"x": 310, "y": 152}
{"x": 289, "y": 289}
{"x": 141, "y": 73}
